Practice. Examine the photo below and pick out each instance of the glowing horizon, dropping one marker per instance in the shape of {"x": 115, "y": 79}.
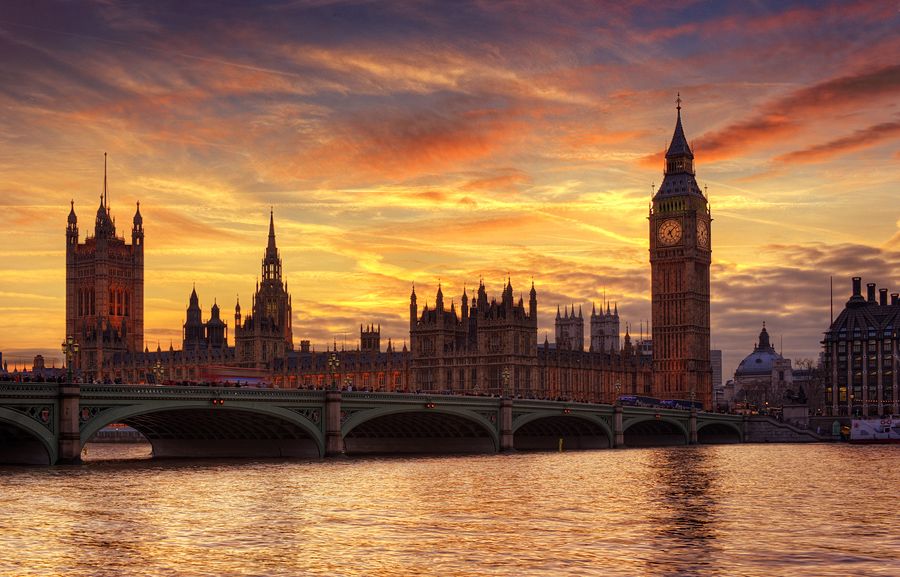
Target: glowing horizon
{"x": 404, "y": 144}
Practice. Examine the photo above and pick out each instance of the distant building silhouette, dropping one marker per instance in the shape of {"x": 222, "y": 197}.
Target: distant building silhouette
{"x": 862, "y": 355}
{"x": 570, "y": 330}
{"x": 605, "y": 329}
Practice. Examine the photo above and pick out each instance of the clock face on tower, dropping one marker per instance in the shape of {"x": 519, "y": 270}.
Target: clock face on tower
{"x": 702, "y": 234}
{"x": 669, "y": 232}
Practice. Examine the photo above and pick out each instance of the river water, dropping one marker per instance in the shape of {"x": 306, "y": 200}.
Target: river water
{"x": 712, "y": 510}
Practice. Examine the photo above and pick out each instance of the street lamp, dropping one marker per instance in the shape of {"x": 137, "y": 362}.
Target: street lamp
{"x": 348, "y": 383}
{"x": 693, "y": 396}
{"x": 69, "y": 349}
{"x": 158, "y": 372}
{"x": 618, "y": 391}
{"x": 334, "y": 363}
{"x": 505, "y": 381}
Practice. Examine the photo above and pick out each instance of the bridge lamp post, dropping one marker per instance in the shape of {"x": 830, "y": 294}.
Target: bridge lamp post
{"x": 618, "y": 391}
{"x": 334, "y": 363}
{"x": 158, "y": 372}
{"x": 506, "y": 381}
{"x": 69, "y": 349}
{"x": 693, "y": 396}
{"x": 348, "y": 382}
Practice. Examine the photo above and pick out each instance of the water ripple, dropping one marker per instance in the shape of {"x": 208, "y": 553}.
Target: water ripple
{"x": 813, "y": 510}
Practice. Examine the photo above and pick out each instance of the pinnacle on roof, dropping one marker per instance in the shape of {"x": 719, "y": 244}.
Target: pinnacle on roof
{"x": 195, "y": 301}
{"x": 138, "y": 219}
{"x": 271, "y": 246}
{"x": 72, "y": 218}
{"x": 679, "y": 145}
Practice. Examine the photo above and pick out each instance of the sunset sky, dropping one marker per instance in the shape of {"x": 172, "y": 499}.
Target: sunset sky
{"x": 447, "y": 141}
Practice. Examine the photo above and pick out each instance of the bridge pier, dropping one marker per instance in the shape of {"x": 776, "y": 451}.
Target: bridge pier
{"x": 618, "y": 430}
{"x": 334, "y": 441}
{"x": 692, "y": 426}
{"x": 69, "y": 433}
{"x": 506, "y": 435}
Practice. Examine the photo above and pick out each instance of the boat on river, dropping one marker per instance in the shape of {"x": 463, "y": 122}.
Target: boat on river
{"x": 878, "y": 430}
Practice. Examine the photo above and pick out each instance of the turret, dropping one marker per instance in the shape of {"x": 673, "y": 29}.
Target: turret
{"x": 532, "y": 305}
{"x": 72, "y": 229}
{"x": 137, "y": 230}
{"x": 237, "y": 313}
{"x": 464, "y": 309}
{"x": 413, "y": 308}
{"x": 193, "y": 333}
{"x": 216, "y": 329}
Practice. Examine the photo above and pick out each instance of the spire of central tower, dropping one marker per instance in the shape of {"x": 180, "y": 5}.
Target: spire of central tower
{"x": 271, "y": 264}
{"x": 271, "y": 248}
{"x": 679, "y": 147}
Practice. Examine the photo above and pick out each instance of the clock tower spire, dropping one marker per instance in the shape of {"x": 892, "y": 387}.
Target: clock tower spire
{"x": 680, "y": 256}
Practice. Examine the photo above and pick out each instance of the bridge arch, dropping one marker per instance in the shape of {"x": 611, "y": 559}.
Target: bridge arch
{"x": 197, "y": 429}
{"x": 24, "y": 441}
{"x": 712, "y": 433}
{"x": 419, "y": 430}
{"x": 650, "y": 431}
{"x": 542, "y": 430}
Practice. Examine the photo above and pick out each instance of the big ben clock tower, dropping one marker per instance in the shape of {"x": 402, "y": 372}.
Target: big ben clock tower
{"x": 680, "y": 255}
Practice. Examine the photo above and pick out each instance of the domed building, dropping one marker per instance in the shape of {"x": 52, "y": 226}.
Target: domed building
{"x": 762, "y": 377}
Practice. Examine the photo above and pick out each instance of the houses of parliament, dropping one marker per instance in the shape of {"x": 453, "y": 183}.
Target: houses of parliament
{"x": 487, "y": 345}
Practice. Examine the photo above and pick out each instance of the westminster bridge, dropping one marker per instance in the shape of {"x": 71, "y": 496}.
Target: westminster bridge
{"x": 49, "y": 423}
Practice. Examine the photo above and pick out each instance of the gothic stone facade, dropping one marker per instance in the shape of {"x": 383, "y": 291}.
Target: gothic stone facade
{"x": 680, "y": 256}
{"x": 266, "y": 333}
{"x": 490, "y": 348}
{"x": 104, "y": 289}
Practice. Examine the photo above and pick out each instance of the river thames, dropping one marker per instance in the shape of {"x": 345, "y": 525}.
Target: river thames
{"x": 711, "y": 510}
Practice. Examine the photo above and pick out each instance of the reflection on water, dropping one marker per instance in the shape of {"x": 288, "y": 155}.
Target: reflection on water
{"x": 731, "y": 510}
{"x": 684, "y": 509}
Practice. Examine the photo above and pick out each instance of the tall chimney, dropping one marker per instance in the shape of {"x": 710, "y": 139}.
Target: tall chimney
{"x": 882, "y": 297}
{"x": 895, "y": 298}
{"x": 857, "y": 286}
{"x": 870, "y": 295}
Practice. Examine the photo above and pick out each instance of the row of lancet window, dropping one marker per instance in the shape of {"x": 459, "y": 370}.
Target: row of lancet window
{"x": 85, "y": 302}
{"x": 119, "y": 302}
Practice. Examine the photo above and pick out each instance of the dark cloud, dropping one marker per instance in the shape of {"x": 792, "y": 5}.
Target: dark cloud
{"x": 802, "y": 108}
{"x": 862, "y": 138}
{"x": 792, "y": 297}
